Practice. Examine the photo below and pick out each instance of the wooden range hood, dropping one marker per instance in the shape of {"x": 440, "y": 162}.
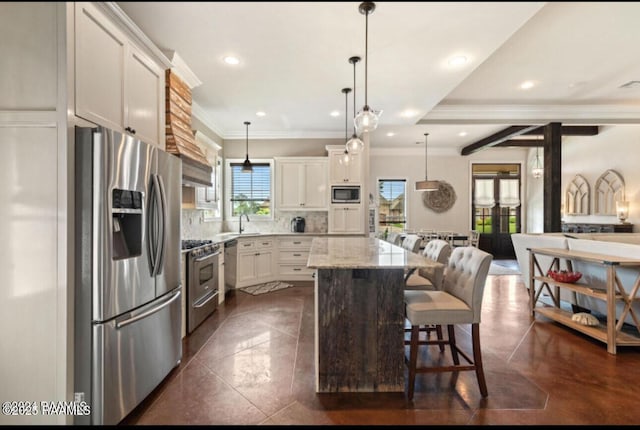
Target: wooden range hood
{"x": 196, "y": 170}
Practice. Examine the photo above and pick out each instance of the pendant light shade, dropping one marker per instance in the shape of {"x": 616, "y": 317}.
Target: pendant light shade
{"x": 355, "y": 144}
{"x": 246, "y": 166}
{"x": 367, "y": 119}
{"x": 426, "y": 185}
{"x": 345, "y": 159}
{"x": 537, "y": 169}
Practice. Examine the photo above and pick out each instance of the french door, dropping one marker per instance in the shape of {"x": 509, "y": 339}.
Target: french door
{"x": 496, "y": 206}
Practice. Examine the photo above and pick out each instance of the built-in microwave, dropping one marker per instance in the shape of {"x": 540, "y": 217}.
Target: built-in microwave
{"x": 345, "y": 194}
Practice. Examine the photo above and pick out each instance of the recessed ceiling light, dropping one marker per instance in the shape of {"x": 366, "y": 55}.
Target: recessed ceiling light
{"x": 391, "y": 134}
{"x": 458, "y": 60}
{"x": 260, "y": 113}
{"x": 409, "y": 113}
{"x": 335, "y": 113}
{"x": 231, "y": 60}
{"x": 462, "y": 134}
{"x": 526, "y": 85}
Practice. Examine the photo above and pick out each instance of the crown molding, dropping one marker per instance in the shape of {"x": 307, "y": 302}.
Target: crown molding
{"x": 417, "y": 151}
{"x": 293, "y": 134}
{"x": 202, "y": 116}
{"x": 125, "y": 23}
{"x": 181, "y": 69}
{"x": 532, "y": 114}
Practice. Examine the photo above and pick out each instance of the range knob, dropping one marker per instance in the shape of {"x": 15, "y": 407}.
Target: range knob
{"x": 196, "y": 253}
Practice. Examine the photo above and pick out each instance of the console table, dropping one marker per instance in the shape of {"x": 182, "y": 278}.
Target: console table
{"x": 359, "y": 313}
{"x": 612, "y": 334}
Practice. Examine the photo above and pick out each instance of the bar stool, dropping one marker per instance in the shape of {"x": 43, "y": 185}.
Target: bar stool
{"x": 459, "y": 302}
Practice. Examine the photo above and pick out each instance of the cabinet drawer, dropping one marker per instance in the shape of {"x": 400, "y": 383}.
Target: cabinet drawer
{"x": 297, "y": 256}
{"x": 264, "y": 243}
{"x": 246, "y": 245}
{"x": 287, "y": 271}
{"x": 303, "y": 243}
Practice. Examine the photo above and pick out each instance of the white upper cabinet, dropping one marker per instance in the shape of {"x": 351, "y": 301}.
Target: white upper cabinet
{"x": 117, "y": 86}
{"x": 144, "y": 82}
{"x": 344, "y": 173}
{"x": 301, "y": 183}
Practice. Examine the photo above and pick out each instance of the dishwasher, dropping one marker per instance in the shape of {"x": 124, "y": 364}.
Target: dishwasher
{"x": 230, "y": 263}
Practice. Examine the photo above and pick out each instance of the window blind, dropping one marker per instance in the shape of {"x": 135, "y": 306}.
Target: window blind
{"x": 251, "y": 186}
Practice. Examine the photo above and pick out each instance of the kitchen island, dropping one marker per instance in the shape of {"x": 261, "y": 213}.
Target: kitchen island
{"x": 359, "y": 313}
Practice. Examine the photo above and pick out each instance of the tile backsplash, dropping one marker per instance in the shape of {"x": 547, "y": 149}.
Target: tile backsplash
{"x": 194, "y": 225}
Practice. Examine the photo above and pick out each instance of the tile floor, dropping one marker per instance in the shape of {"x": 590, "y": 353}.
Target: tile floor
{"x": 251, "y": 363}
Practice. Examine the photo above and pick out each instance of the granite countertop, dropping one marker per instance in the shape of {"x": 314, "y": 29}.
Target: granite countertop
{"x": 362, "y": 253}
{"x": 227, "y": 236}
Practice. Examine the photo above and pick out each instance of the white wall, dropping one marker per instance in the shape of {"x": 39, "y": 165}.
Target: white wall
{"x": 443, "y": 164}
{"x": 616, "y": 148}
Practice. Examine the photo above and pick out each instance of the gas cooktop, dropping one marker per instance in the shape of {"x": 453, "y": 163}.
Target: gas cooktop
{"x": 193, "y": 243}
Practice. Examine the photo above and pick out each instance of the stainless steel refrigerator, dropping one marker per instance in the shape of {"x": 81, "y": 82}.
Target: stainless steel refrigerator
{"x": 127, "y": 292}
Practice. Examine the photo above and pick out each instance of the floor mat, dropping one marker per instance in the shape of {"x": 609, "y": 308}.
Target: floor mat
{"x": 504, "y": 267}
{"x": 267, "y": 287}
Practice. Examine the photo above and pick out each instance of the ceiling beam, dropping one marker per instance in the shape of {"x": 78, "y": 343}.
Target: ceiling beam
{"x": 569, "y": 130}
{"x": 496, "y": 138}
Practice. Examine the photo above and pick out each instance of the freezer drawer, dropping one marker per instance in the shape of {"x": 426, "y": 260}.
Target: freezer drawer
{"x": 132, "y": 355}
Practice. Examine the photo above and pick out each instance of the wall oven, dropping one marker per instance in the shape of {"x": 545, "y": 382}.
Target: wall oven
{"x": 202, "y": 283}
{"x": 345, "y": 194}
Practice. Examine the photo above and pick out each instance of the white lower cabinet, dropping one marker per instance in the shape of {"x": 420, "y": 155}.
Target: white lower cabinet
{"x": 255, "y": 263}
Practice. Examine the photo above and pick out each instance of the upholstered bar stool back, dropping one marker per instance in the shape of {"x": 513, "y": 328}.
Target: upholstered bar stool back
{"x": 412, "y": 242}
{"x": 459, "y": 302}
{"x": 430, "y": 278}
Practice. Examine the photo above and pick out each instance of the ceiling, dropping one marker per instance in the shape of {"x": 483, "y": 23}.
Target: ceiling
{"x": 294, "y": 63}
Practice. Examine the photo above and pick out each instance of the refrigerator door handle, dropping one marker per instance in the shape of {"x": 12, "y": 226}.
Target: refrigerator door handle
{"x": 145, "y": 314}
{"x": 163, "y": 223}
{"x": 155, "y": 229}
{"x": 151, "y": 216}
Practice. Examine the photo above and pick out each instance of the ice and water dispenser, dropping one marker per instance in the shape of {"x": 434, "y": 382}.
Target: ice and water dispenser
{"x": 126, "y": 224}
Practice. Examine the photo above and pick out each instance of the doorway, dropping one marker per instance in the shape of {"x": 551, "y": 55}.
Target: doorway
{"x": 496, "y": 209}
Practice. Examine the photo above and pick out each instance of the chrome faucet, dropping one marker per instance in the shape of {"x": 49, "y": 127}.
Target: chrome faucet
{"x": 246, "y": 216}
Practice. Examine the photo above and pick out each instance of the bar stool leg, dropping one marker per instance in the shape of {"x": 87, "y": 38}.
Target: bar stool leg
{"x": 413, "y": 359}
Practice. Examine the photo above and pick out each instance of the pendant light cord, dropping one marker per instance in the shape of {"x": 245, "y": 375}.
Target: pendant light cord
{"x": 247, "y": 138}
{"x": 425, "y": 157}
{"x": 366, "y": 57}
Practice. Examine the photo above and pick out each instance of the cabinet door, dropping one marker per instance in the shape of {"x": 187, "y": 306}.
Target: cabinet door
{"x": 246, "y": 268}
{"x": 340, "y": 172}
{"x": 99, "y": 68}
{"x": 337, "y": 170}
{"x": 144, "y": 104}
{"x": 345, "y": 219}
{"x": 289, "y": 178}
{"x": 354, "y": 169}
{"x": 353, "y": 220}
{"x": 264, "y": 265}
{"x": 315, "y": 185}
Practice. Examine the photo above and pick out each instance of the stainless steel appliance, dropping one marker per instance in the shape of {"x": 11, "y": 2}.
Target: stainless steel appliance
{"x": 127, "y": 296}
{"x": 202, "y": 280}
{"x": 297, "y": 224}
{"x": 345, "y": 194}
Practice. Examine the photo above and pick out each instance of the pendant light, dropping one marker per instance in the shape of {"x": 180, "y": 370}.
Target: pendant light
{"x": 246, "y": 166}
{"x": 345, "y": 159}
{"x": 355, "y": 144}
{"x": 366, "y": 120}
{"x": 537, "y": 170}
{"x": 426, "y": 185}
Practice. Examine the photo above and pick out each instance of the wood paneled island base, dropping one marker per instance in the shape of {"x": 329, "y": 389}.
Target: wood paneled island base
{"x": 360, "y": 325}
{"x": 359, "y": 308}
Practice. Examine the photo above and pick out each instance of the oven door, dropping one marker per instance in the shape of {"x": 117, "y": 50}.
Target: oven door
{"x": 202, "y": 290}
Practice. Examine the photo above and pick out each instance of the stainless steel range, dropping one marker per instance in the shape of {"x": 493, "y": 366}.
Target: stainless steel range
{"x": 202, "y": 280}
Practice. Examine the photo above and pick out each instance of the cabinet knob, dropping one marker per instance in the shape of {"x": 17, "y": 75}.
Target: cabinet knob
{"x": 130, "y": 130}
